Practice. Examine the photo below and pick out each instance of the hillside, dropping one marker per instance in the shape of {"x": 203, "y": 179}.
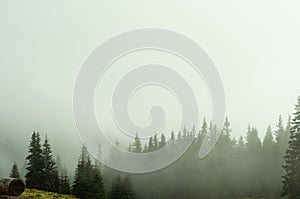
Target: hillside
{"x": 33, "y": 193}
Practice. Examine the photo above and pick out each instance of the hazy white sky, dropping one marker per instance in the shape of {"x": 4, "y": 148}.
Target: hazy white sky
{"x": 254, "y": 44}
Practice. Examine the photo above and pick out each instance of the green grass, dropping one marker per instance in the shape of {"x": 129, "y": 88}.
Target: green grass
{"x": 33, "y": 193}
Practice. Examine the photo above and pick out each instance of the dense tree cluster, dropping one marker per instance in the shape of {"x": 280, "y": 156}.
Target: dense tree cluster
{"x": 243, "y": 168}
{"x": 41, "y": 167}
{"x": 88, "y": 181}
{"x": 122, "y": 188}
{"x": 44, "y": 173}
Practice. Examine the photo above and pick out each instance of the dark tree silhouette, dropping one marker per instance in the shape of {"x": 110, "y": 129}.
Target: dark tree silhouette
{"x": 50, "y": 173}
{"x": 291, "y": 180}
{"x": 14, "y": 171}
{"x": 35, "y": 168}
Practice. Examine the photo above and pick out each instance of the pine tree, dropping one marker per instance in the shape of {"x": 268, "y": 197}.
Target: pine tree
{"x": 59, "y": 166}
{"x": 122, "y": 188}
{"x": 268, "y": 142}
{"x": 14, "y": 171}
{"x": 193, "y": 132}
{"x": 64, "y": 182}
{"x": 96, "y": 189}
{"x": 137, "y": 145}
{"x": 172, "y": 139}
{"x": 203, "y": 132}
{"x": 291, "y": 180}
{"x": 253, "y": 142}
{"x": 225, "y": 144}
{"x": 151, "y": 145}
{"x": 179, "y": 138}
{"x": 88, "y": 181}
{"x": 117, "y": 188}
{"x": 145, "y": 148}
{"x": 185, "y": 133}
{"x": 35, "y": 168}
{"x": 50, "y": 173}
{"x": 240, "y": 149}
{"x": 130, "y": 147}
{"x": 162, "y": 142}
{"x": 155, "y": 142}
{"x": 80, "y": 185}
{"x": 280, "y": 132}
{"x": 128, "y": 192}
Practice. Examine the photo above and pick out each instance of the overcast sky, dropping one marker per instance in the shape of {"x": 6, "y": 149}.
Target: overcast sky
{"x": 254, "y": 44}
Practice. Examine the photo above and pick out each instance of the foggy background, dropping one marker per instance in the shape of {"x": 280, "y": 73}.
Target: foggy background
{"x": 253, "y": 44}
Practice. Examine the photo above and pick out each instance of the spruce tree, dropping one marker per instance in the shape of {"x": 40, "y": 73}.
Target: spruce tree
{"x": 128, "y": 192}
{"x": 59, "y": 166}
{"x": 203, "y": 131}
{"x": 172, "y": 139}
{"x": 96, "y": 189}
{"x": 80, "y": 185}
{"x": 64, "y": 182}
{"x": 151, "y": 145}
{"x": 50, "y": 173}
{"x": 268, "y": 142}
{"x": 88, "y": 181}
{"x": 291, "y": 179}
{"x": 117, "y": 188}
{"x": 155, "y": 142}
{"x": 185, "y": 133}
{"x": 14, "y": 171}
{"x": 137, "y": 145}
{"x": 122, "y": 188}
{"x": 145, "y": 150}
{"x": 35, "y": 167}
{"x": 162, "y": 142}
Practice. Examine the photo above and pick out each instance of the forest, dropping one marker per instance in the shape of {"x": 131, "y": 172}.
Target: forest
{"x": 246, "y": 167}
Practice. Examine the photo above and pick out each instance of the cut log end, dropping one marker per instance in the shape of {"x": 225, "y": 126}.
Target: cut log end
{"x": 12, "y": 186}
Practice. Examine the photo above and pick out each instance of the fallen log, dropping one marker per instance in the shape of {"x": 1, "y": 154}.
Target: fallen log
{"x": 11, "y": 186}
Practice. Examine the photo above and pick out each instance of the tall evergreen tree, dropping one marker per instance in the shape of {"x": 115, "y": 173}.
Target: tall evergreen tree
{"x": 291, "y": 180}
{"x": 172, "y": 139}
{"x": 50, "y": 173}
{"x": 128, "y": 192}
{"x": 80, "y": 184}
{"x": 268, "y": 142}
{"x": 137, "y": 145}
{"x": 225, "y": 144}
{"x": 122, "y": 188}
{"x": 162, "y": 142}
{"x": 185, "y": 133}
{"x": 88, "y": 181}
{"x": 96, "y": 189}
{"x": 145, "y": 150}
{"x": 117, "y": 188}
{"x": 151, "y": 146}
{"x": 64, "y": 182}
{"x": 35, "y": 168}
{"x": 14, "y": 171}
{"x": 253, "y": 142}
{"x": 203, "y": 131}
{"x": 59, "y": 166}
{"x": 155, "y": 142}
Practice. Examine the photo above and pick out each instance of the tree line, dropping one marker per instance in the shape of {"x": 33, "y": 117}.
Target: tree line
{"x": 236, "y": 168}
{"x": 247, "y": 167}
{"x": 43, "y": 174}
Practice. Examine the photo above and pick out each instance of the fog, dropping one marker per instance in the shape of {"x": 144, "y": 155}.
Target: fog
{"x": 253, "y": 44}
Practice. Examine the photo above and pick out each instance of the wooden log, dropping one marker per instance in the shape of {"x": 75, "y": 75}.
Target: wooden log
{"x": 12, "y": 186}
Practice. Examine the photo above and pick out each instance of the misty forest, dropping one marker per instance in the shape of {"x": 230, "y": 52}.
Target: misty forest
{"x": 244, "y": 167}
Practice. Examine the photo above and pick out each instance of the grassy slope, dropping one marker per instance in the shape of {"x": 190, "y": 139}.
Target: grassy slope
{"x": 32, "y": 193}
